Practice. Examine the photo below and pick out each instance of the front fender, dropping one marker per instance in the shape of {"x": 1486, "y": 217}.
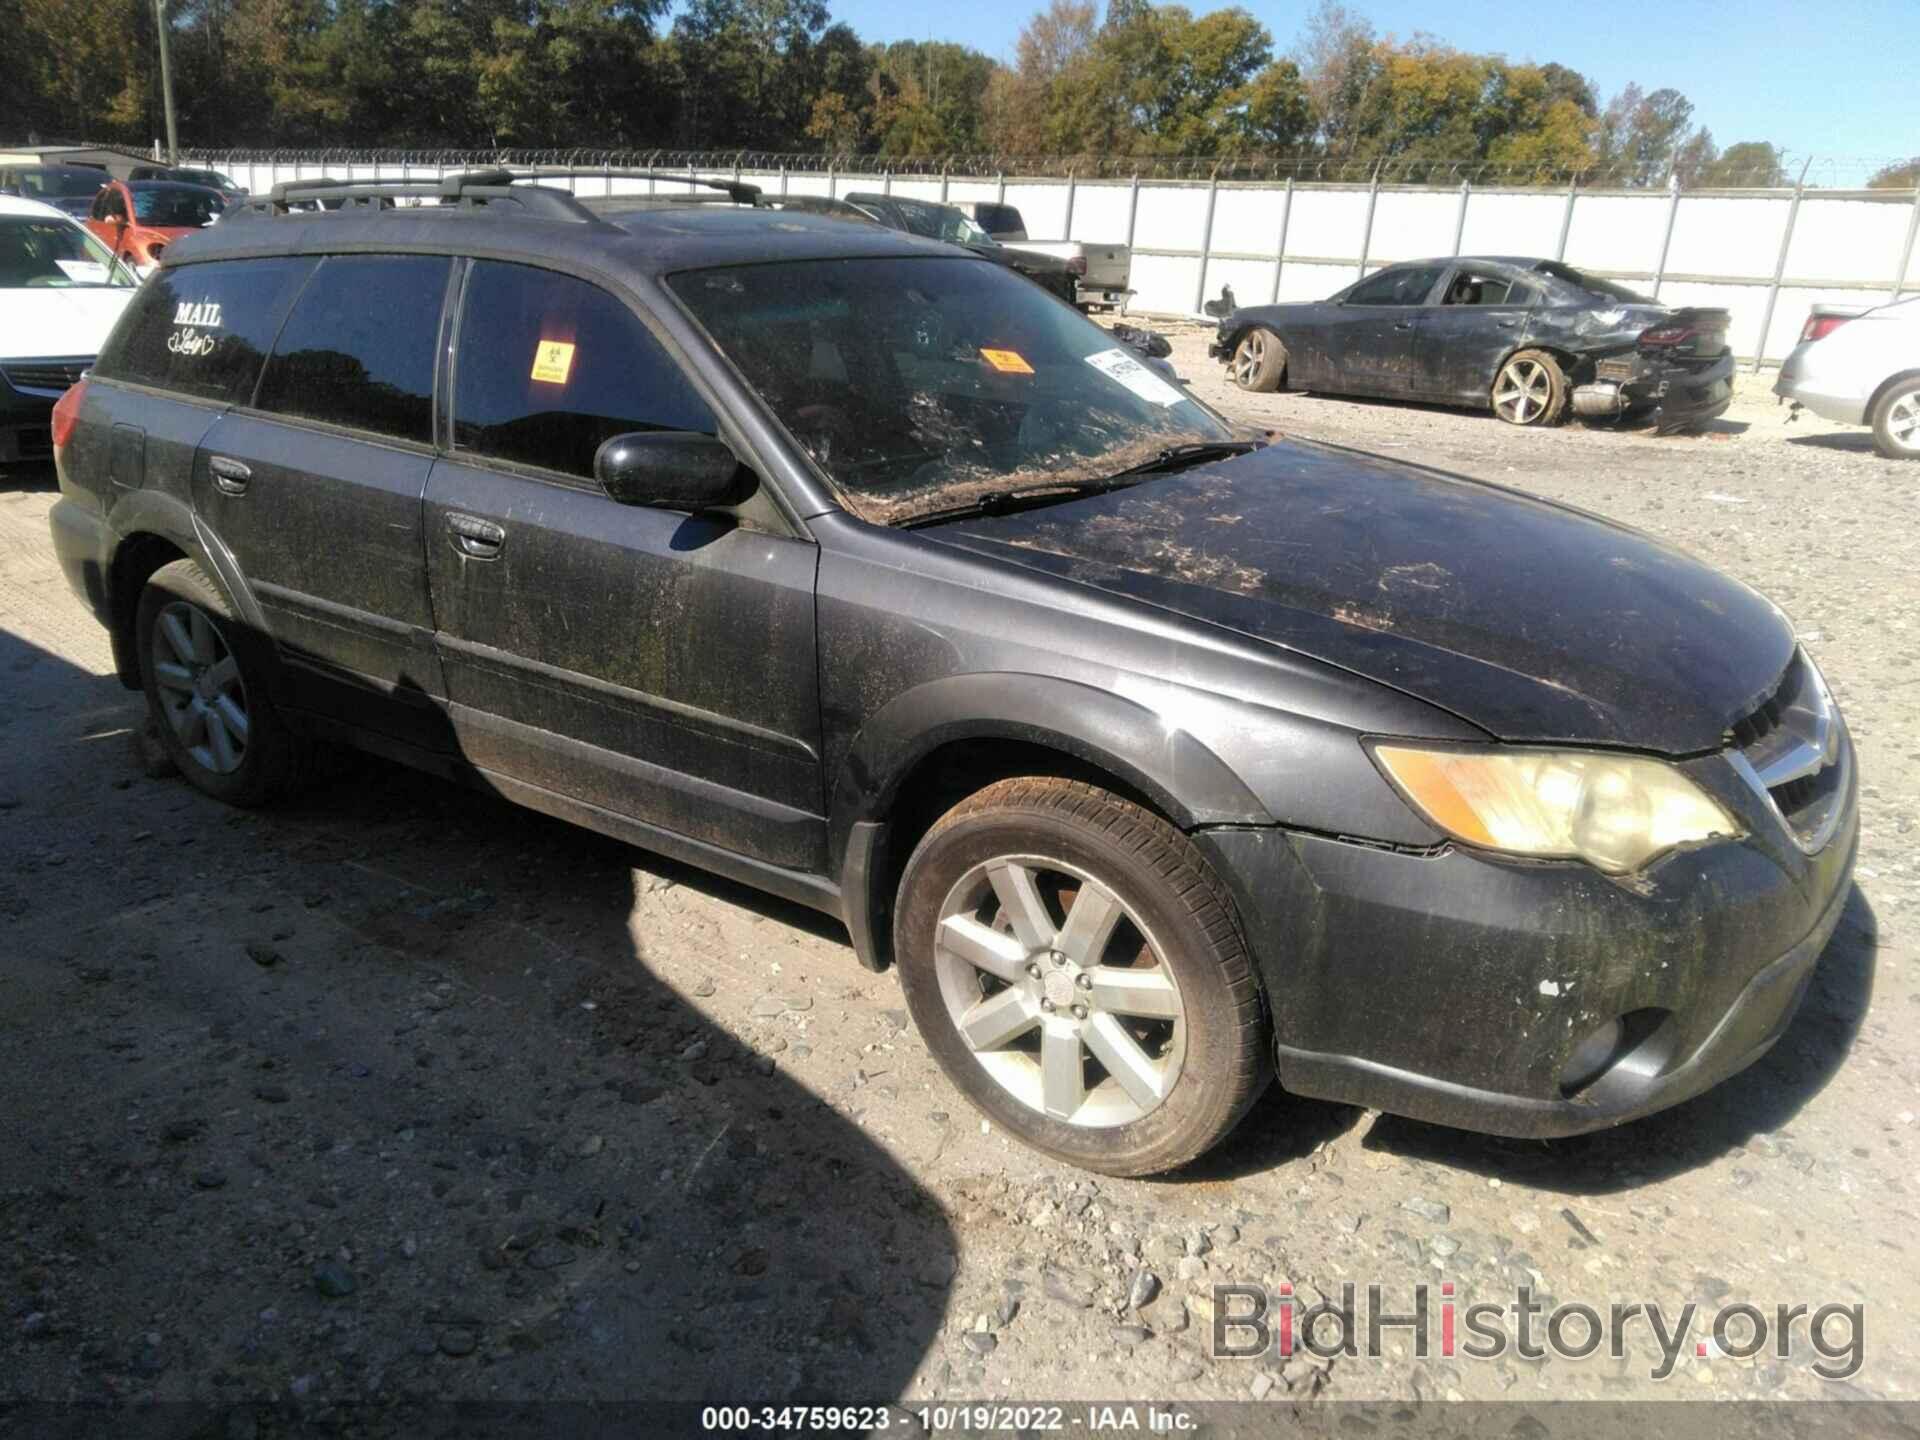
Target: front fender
{"x": 1173, "y": 769}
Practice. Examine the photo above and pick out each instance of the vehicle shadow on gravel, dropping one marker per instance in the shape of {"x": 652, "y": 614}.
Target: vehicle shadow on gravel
{"x": 1848, "y": 442}
{"x": 1753, "y": 1107}
{"x": 383, "y": 1100}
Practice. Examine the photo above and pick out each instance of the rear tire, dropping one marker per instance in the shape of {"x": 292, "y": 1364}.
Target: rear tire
{"x": 1530, "y": 389}
{"x": 1896, "y": 421}
{"x": 1076, "y": 968}
{"x": 1259, "y": 361}
{"x": 206, "y": 691}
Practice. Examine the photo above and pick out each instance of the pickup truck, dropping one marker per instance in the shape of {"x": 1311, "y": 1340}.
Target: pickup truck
{"x": 1101, "y": 270}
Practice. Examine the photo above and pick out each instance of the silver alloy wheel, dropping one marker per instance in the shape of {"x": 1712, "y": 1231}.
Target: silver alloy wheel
{"x": 200, "y": 688}
{"x": 1248, "y": 356}
{"x": 1903, "y": 421}
{"x": 1060, "y": 992}
{"x": 1521, "y": 393}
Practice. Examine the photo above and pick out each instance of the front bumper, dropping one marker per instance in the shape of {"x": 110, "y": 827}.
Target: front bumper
{"x": 26, "y": 427}
{"x": 1455, "y": 988}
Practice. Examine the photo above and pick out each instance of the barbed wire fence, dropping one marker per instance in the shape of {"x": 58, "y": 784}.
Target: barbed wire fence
{"x": 1809, "y": 171}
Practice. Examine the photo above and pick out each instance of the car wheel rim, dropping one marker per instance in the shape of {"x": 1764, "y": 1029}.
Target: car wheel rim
{"x": 201, "y": 692}
{"x": 1059, "y": 991}
{"x": 1522, "y": 391}
{"x": 1249, "y": 358}
{"x": 1903, "y": 421}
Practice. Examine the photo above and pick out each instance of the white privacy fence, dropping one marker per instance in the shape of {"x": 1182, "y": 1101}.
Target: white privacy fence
{"x": 1764, "y": 255}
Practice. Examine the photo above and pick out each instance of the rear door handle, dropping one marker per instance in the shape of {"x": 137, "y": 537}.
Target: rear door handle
{"x": 473, "y": 536}
{"x": 230, "y": 477}
{"x": 1403, "y": 324}
{"x": 1506, "y": 324}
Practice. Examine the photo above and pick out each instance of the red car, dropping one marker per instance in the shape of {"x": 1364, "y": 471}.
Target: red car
{"x": 138, "y": 219}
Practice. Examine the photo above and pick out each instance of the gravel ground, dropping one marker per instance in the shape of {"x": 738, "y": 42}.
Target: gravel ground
{"x": 400, "y": 1094}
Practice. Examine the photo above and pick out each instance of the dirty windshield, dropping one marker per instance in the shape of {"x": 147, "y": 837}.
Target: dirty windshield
{"x": 926, "y": 384}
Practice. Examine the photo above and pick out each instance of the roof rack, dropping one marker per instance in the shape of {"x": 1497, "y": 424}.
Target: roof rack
{"x": 472, "y": 189}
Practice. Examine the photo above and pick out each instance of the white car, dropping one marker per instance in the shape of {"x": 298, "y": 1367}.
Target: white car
{"x": 61, "y": 291}
{"x": 1861, "y": 369}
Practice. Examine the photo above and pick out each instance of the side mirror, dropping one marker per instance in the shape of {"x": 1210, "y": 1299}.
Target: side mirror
{"x": 671, "y": 469}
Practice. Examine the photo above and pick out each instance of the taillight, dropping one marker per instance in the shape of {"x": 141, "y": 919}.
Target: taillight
{"x": 1818, "y": 327}
{"x": 1076, "y": 265}
{"x": 66, "y": 413}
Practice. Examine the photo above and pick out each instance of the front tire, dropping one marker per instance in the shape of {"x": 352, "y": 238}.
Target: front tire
{"x": 1896, "y": 421}
{"x": 1077, "y": 970}
{"x": 207, "y": 692}
{"x": 1259, "y": 361}
{"x": 1531, "y": 389}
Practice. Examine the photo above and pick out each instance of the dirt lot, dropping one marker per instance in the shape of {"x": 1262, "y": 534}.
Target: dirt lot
{"x": 401, "y": 1094}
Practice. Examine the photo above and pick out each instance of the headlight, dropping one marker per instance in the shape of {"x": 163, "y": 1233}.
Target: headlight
{"x": 1616, "y": 812}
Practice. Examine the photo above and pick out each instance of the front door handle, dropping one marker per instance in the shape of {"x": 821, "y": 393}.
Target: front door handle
{"x": 1403, "y": 324}
{"x": 230, "y": 477}
{"x": 1506, "y": 324}
{"x": 472, "y": 536}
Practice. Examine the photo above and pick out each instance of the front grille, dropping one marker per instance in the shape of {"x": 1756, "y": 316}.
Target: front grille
{"x": 1790, "y": 751}
{"x": 57, "y": 376}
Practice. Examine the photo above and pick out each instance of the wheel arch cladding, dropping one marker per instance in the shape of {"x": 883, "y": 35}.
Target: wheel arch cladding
{"x": 902, "y": 766}
{"x": 135, "y": 560}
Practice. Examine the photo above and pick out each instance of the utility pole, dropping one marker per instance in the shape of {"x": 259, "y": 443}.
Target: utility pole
{"x": 166, "y": 83}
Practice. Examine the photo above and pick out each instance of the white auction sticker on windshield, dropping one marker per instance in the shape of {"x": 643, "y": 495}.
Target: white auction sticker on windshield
{"x": 83, "y": 272}
{"x": 1123, "y": 369}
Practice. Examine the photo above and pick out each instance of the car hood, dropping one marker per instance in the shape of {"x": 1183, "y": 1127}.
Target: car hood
{"x": 43, "y": 323}
{"x": 1531, "y": 620}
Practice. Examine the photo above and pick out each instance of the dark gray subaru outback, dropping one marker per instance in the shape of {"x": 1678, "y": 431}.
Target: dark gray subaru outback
{"x": 1156, "y": 759}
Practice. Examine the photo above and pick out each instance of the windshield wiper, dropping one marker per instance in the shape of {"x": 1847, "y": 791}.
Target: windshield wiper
{"x": 1005, "y": 502}
{"x": 1179, "y": 457}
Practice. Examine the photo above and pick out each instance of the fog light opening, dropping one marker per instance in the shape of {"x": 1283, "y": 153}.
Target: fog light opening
{"x": 1610, "y": 1044}
{"x": 1592, "y": 1057}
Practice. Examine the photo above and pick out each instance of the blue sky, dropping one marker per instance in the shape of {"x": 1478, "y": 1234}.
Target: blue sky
{"x": 1833, "y": 79}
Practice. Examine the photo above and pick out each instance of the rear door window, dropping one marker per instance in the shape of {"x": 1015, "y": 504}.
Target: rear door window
{"x": 203, "y": 330}
{"x": 550, "y": 366}
{"x": 358, "y": 349}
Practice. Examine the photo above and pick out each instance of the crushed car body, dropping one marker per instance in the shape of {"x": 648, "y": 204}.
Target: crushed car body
{"x": 1532, "y": 340}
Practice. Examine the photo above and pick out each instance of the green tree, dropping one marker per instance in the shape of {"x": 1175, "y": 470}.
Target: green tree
{"x": 1749, "y": 163}
{"x": 1901, "y": 175}
{"x": 1643, "y": 138}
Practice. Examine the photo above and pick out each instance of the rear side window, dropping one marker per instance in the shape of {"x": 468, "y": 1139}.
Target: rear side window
{"x": 549, "y": 367}
{"x": 998, "y": 219}
{"x": 203, "y": 330}
{"x": 358, "y": 348}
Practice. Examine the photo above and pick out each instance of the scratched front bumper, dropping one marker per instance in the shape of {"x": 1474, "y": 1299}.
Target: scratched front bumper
{"x": 1455, "y": 987}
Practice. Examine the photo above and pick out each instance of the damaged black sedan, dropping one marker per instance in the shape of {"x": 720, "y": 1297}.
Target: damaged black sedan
{"x": 1531, "y": 340}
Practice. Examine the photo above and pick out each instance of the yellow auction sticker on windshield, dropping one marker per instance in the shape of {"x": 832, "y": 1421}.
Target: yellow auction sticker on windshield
{"x": 553, "y": 362}
{"x": 1007, "y": 362}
